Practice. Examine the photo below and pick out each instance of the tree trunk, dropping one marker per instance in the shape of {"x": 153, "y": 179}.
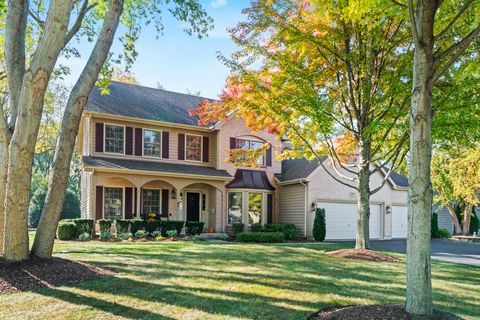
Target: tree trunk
{"x": 22, "y": 145}
{"x": 3, "y": 181}
{"x": 362, "y": 240}
{"x": 419, "y": 286}
{"x": 45, "y": 236}
{"x": 453, "y": 215}
{"x": 467, "y": 216}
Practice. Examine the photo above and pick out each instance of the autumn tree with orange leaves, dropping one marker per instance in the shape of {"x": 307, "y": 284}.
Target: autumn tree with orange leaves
{"x": 333, "y": 78}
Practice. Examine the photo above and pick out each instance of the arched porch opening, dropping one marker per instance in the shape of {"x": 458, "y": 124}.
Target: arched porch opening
{"x": 156, "y": 197}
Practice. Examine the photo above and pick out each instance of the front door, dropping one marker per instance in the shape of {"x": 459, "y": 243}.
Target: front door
{"x": 193, "y": 206}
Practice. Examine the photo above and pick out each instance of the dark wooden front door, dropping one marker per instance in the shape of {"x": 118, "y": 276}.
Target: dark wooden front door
{"x": 193, "y": 206}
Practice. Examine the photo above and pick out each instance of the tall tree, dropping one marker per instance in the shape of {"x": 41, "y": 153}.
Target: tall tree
{"x": 333, "y": 78}
{"x": 440, "y": 41}
{"x": 28, "y": 83}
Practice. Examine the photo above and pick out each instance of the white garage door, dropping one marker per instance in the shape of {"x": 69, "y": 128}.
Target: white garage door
{"x": 399, "y": 222}
{"x": 341, "y": 220}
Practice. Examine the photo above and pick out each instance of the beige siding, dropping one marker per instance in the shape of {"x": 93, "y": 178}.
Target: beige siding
{"x": 292, "y": 206}
{"x": 85, "y": 183}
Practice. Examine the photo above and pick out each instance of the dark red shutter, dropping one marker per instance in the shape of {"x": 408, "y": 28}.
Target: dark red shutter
{"x": 165, "y": 145}
{"x": 138, "y": 141}
{"x": 233, "y": 143}
{"x": 165, "y": 202}
{"x": 268, "y": 160}
{"x": 181, "y": 146}
{"x": 128, "y": 203}
{"x": 205, "y": 149}
{"x": 269, "y": 208}
{"x": 99, "y": 203}
{"x": 99, "y": 137}
{"x": 129, "y": 141}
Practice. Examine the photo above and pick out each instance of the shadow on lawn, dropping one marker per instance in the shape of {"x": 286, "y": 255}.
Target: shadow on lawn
{"x": 305, "y": 274}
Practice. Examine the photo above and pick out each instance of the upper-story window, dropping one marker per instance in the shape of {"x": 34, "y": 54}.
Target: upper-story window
{"x": 114, "y": 138}
{"x": 152, "y": 143}
{"x": 193, "y": 147}
{"x": 252, "y": 145}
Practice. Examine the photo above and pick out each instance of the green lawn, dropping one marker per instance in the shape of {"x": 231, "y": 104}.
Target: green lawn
{"x": 184, "y": 280}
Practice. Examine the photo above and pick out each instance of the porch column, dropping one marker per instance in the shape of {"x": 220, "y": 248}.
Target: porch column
{"x": 139, "y": 201}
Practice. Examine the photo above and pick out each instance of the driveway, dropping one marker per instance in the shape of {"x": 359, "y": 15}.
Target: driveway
{"x": 445, "y": 250}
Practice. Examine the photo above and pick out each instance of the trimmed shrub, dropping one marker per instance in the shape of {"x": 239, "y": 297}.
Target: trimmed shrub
{"x": 105, "y": 225}
{"x": 435, "y": 225}
{"x": 238, "y": 227}
{"x": 121, "y": 225}
{"x": 193, "y": 228}
{"x": 262, "y": 237}
{"x": 136, "y": 224}
{"x": 124, "y": 236}
{"x": 105, "y": 235}
{"x": 290, "y": 231}
{"x": 85, "y": 237}
{"x": 319, "y": 226}
{"x": 168, "y": 225}
{"x": 152, "y": 225}
{"x": 474, "y": 223}
{"x": 256, "y": 227}
{"x": 66, "y": 231}
{"x": 444, "y": 234}
{"x": 141, "y": 234}
{"x": 172, "y": 233}
{"x": 274, "y": 227}
{"x": 84, "y": 226}
{"x": 155, "y": 234}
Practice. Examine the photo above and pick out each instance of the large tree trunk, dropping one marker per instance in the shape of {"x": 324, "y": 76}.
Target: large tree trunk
{"x": 419, "y": 286}
{"x": 467, "y": 216}
{"x": 453, "y": 215}
{"x": 3, "y": 181}
{"x": 22, "y": 145}
{"x": 363, "y": 211}
{"x": 45, "y": 236}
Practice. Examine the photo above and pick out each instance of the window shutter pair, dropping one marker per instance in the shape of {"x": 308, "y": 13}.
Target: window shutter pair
{"x": 181, "y": 148}
{"x": 139, "y": 143}
{"x": 268, "y": 156}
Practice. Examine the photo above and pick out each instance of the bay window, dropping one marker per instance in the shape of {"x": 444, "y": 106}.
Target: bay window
{"x": 152, "y": 143}
{"x": 113, "y": 203}
{"x": 235, "y": 207}
{"x": 114, "y": 138}
{"x": 255, "y": 208}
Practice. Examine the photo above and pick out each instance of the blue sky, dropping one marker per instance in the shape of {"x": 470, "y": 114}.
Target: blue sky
{"x": 176, "y": 60}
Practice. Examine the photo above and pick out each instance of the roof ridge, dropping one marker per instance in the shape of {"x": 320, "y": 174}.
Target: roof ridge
{"x": 158, "y": 89}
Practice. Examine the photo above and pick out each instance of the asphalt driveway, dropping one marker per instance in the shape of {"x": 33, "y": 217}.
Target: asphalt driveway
{"x": 445, "y": 250}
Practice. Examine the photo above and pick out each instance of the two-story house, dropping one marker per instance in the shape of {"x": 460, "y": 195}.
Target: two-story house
{"x": 143, "y": 153}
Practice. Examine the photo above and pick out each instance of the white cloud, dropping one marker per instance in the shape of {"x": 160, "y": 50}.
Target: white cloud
{"x": 218, "y": 3}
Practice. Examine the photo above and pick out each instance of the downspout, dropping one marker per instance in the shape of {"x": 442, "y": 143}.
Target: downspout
{"x": 306, "y": 208}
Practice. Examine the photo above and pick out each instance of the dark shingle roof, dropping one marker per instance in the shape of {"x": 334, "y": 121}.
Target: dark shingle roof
{"x": 250, "y": 179}
{"x": 399, "y": 179}
{"x": 163, "y": 167}
{"x": 294, "y": 169}
{"x": 135, "y": 101}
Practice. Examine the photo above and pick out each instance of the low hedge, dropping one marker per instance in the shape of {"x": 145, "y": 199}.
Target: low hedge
{"x": 136, "y": 224}
{"x": 290, "y": 231}
{"x": 66, "y": 231}
{"x": 260, "y": 237}
{"x": 84, "y": 226}
{"x": 152, "y": 225}
{"x": 238, "y": 227}
{"x": 274, "y": 227}
{"x": 121, "y": 225}
{"x": 193, "y": 228}
{"x": 256, "y": 227}
{"x": 105, "y": 225}
{"x": 168, "y": 225}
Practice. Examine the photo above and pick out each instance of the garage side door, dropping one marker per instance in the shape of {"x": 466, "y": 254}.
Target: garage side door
{"x": 292, "y": 206}
{"x": 399, "y": 222}
{"x": 341, "y": 220}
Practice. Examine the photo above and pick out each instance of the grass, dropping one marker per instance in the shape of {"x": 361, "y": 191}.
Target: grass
{"x": 184, "y": 280}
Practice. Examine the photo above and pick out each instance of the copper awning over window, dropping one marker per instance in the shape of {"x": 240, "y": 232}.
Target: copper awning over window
{"x": 250, "y": 179}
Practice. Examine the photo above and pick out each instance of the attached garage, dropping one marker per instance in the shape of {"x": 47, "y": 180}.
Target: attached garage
{"x": 399, "y": 222}
{"x": 341, "y": 219}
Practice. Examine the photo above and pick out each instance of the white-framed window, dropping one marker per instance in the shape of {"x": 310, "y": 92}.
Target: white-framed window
{"x": 113, "y": 203}
{"x": 247, "y": 144}
{"x": 255, "y": 207}
{"x": 152, "y": 143}
{"x": 193, "y": 147}
{"x": 235, "y": 207}
{"x": 114, "y": 138}
{"x": 151, "y": 201}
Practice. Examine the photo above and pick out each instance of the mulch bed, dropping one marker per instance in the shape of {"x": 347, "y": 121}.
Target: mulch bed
{"x": 363, "y": 254}
{"x": 36, "y": 273}
{"x": 375, "y": 312}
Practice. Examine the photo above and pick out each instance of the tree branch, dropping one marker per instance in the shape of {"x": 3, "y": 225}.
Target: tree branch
{"x": 413, "y": 22}
{"x": 452, "y": 22}
{"x": 78, "y": 22}
{"x": 37, "y": 19}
